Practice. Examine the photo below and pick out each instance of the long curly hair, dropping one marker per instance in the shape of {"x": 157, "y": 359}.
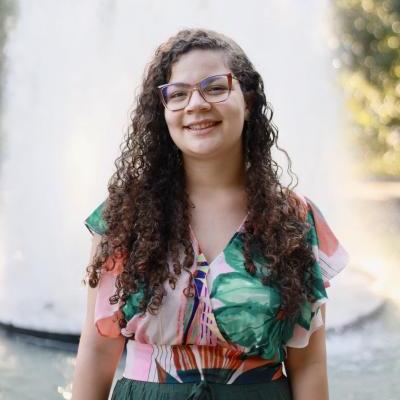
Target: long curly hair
{"x": 147, "y": 212}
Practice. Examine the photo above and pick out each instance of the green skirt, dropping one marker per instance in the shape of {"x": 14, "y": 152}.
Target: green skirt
{"x": 128, "y": 389}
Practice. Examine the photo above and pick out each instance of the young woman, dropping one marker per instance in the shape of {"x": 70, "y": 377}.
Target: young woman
{"x": 203, "y": 265}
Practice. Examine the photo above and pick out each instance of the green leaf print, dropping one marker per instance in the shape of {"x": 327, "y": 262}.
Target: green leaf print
{"x": 233, "y": 254}
{"x": 95, "y": 221}
{"x": 312, "y": 233}
{"x": 248, "y": 313}
{"x": 235, "y": 287}
{"x": 131, "y": 307}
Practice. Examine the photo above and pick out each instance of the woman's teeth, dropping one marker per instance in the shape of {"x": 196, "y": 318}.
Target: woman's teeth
{"x": 198, "y": 127}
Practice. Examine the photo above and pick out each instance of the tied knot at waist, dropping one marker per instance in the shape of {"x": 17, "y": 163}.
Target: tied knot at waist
{"x": 201, "y": 391}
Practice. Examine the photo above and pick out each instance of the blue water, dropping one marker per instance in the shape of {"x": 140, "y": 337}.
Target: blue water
{"x": 363, "y": 363}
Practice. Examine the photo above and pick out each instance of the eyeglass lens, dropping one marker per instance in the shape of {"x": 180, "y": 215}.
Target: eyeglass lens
{"x": 213, "y": 89}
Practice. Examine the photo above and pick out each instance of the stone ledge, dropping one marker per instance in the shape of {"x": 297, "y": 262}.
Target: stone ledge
{"x": 351, "y": 301}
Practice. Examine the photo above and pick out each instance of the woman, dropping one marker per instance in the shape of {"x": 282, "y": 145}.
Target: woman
{"x": 209, "y": 270}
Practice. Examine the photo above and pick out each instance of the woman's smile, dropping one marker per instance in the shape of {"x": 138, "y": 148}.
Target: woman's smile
{"x": 202, "y": 127}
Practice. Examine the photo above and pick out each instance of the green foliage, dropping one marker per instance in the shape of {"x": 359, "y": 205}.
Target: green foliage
{"x": 7, "y": 12}
{"x": 369, "y": 52}
{"x": 7, "y": 9}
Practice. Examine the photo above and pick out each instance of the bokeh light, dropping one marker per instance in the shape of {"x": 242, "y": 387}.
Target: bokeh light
{"x": 368, "y": 53}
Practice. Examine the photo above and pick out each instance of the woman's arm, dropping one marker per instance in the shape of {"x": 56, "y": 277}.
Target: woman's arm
{"x": 97, "y": 357}
{"x": 306, "y": 367}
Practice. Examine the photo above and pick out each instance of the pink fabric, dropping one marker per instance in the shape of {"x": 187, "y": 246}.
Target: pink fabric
{"x": 107, "y": 316}
{"x": 138, "y": 360}
{"x": 331, "y": 254}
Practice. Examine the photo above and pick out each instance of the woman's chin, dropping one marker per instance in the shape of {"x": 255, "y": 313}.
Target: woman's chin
{"x": 201, "y": 151}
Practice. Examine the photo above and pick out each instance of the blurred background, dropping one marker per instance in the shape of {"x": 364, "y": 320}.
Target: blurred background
{"x": 69, "y": 74}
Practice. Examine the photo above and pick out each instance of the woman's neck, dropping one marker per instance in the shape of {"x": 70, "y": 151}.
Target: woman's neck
{"x": 214, "y": 175}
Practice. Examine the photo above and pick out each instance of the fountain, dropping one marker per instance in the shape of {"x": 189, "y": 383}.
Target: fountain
{"x": 66, "y": 101}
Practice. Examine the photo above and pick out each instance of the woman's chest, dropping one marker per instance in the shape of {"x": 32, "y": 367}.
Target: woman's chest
{"x": 212, "y": 228}
{"x": 228, "y": 305}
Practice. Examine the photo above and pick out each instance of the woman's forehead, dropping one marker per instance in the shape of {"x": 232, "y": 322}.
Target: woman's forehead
{"x": 198, "y": 64}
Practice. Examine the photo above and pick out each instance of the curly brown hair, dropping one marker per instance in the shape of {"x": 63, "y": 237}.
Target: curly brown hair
{"x": 147, "y": 212}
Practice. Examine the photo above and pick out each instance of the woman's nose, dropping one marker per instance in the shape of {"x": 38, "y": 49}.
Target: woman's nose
{"x": 196, "y": 102}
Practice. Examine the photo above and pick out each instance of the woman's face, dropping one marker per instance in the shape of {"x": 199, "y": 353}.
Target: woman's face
{"x": 190, "y": 127}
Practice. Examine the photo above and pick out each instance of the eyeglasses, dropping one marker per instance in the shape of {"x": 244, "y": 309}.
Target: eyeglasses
{"x": 213, "y": 89}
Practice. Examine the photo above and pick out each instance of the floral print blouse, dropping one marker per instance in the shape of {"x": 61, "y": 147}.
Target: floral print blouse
{"x": 231, "y": 331}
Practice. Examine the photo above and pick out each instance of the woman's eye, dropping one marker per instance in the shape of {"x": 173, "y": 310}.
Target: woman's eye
{"x": 215, "y": 89}
{"x": 177, "y": 95}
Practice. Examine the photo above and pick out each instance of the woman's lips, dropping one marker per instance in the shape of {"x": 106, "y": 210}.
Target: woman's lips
{"x": 202, "y": 129}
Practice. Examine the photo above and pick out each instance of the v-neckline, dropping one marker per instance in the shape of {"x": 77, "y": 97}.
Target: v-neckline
{"x": 199, "y": 251}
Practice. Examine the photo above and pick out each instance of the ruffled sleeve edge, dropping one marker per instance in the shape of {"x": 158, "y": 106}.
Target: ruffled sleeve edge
{"x": 332, "y": 258}
{"x": 330, "y": 254}
{"x": 301, "y": 336}
{"x": 107, "y": 316}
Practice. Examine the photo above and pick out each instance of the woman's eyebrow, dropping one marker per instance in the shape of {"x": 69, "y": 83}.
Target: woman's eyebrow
{"x": 179, "y": 83}
{"x": 202, "y": 79}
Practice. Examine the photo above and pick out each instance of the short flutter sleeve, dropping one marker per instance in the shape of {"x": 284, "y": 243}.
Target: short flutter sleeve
{"x": 107, "y": 316}
{"x": 330, "y": 259}
{"x": 95, "y": 221}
